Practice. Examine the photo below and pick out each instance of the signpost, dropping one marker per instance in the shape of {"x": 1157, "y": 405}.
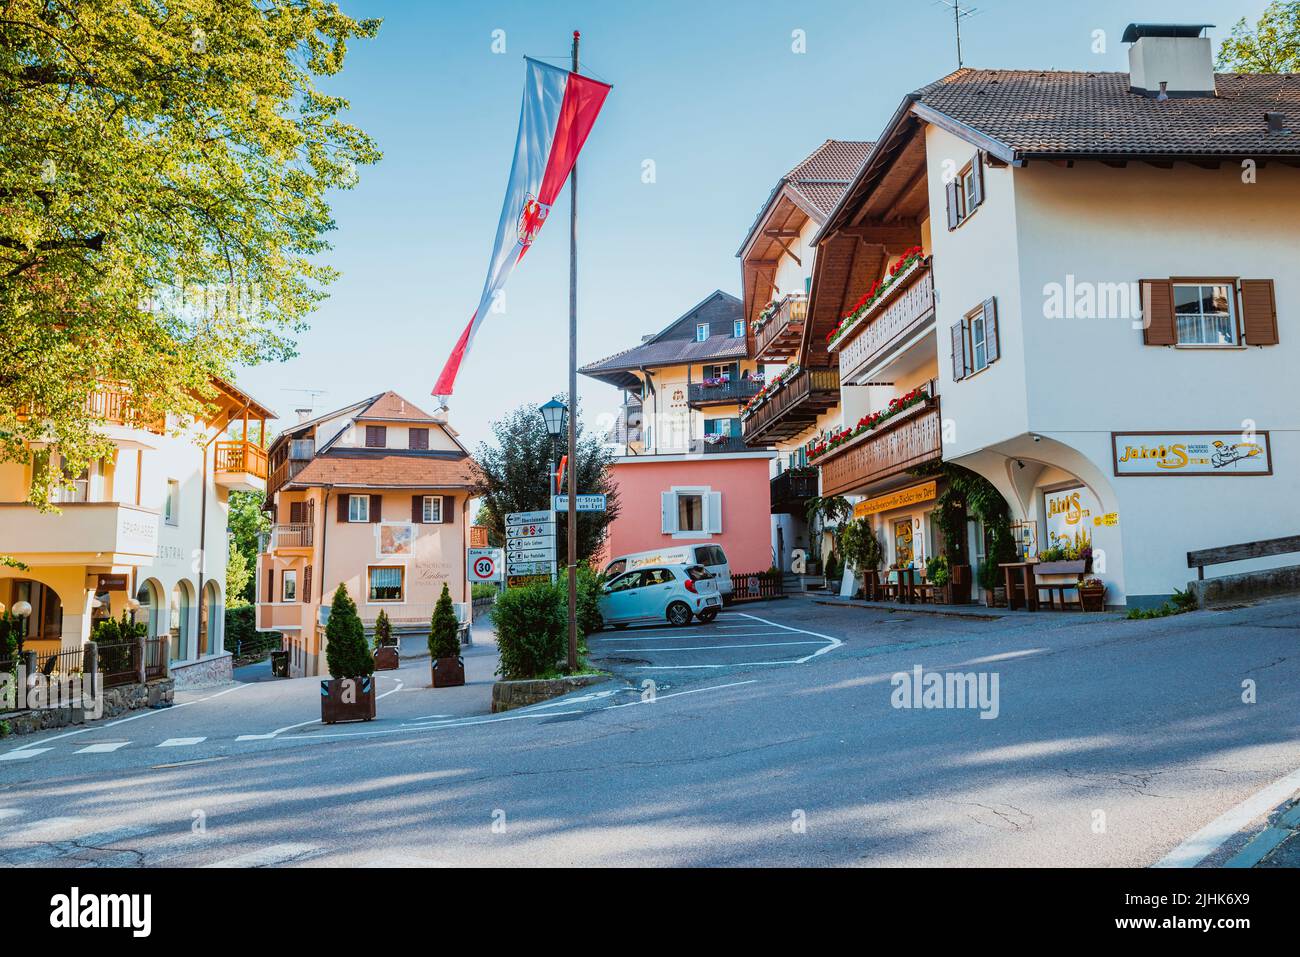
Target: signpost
{"x": 586, "y": 503}
{"x": 485, "y": 564}
{"x": 530, "y": 546}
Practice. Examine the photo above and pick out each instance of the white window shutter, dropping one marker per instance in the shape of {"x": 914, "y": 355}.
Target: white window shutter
{"x": 714, "y": 518}
{"x": 667, "y": 512}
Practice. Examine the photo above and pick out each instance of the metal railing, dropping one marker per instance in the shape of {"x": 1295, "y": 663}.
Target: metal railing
{"x": 119, "y": 662}
{"x": 724, "y": 391}
{"x": 715, "y": 444}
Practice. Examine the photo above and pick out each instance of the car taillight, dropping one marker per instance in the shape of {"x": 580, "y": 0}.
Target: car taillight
{"x": 690, "y": 587}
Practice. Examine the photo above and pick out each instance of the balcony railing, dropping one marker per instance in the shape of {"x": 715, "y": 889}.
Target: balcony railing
{"x": 726, "y": 392}
{"x": 241, "y": 456}
{"x": 903, "y": 311}
{"x": 292, "y": 535}
{"x": 112, "y": 405}
{"x": 905, "y": 441}
{"x": 714, "y": 445}
{"x": 779, "y": 338}
{"x": 792, "y": 489}
{"x": 793, "y": 407}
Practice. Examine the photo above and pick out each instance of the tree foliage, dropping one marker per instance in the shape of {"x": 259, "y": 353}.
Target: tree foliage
{"x": 518, "y": 476}
{"x": 444, "y": 630}
{"x": 1271, "y": 46}
{"x": 245, "y": 521}
{"x": 163, "y": 178}
{"x": 346, "y": 652}
{"x": 239, "y": 576}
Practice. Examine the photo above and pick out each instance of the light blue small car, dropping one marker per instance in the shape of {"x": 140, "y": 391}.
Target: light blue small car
{"x": 676, "y": 593}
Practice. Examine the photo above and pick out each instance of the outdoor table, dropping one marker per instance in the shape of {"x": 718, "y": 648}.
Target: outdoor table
{"x": 907, "y": 585}
{"x": 1026, "y": 571}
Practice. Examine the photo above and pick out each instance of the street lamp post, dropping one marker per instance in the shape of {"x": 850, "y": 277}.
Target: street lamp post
{"x": 556, "y": 416}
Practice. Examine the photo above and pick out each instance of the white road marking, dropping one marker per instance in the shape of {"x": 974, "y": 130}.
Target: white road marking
{"x": 104, "y": 748}
{"x": 671, "y": 635}
{"x": 22, "y": 754}
{"x": 757, "y": 644}
{"x": 828, "y": 644}
{"x": 266, "y": 856}
{"x": 1211, "y": 837}
{"x": 8, "y": 812}
{"x": 302, "y": 724}
{"x": 49, "y": 825}
{"x": 181, "y": 742}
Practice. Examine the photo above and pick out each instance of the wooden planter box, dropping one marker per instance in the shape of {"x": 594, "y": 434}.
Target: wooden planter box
{"x": 959, "y": 586}
{"x": 871, "y": 586}
{"x": 1079, "y": 567}
{"x": 386, "y": 658}
{"x": 1092, "y": 599}
{"x": 448, "y": 672}
{"x": 334, "y": 703}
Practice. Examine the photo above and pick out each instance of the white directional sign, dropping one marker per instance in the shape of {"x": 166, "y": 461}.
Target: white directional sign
{"x": 535, "y": 553}
{"x": 531, "y": 568}
{"x": 586, "y": 503}
{"x": 529, "y": 518}
{"x": 537, "y": 530}
{"x": 485, "y": 564}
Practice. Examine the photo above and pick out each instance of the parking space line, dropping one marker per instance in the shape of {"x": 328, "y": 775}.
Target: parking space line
{"x": 670, "y": 635}
{"x": 757, "y": 644}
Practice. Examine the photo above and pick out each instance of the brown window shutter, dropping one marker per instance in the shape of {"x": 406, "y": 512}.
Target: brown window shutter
{"x": 306, "y": 584}
{"x": 448, "y": 516}
{"x": 1159, "y": 328}
{"x": 1259, "y": 312}
{"x": 295, "y": 513}
{"x": 270, "y": 584}
{"x": 376, "y": 436}
{"x": 951, "y": 191}
{"x": 991, "y": 329}
{"x": 343, "y": 507}
{"x": 419, "y": 439}
{"x": 417, "y": 509}
{"x": 977, "y": 184}
{"x": 376, "y": 508}
{"x": 958, "y": 351}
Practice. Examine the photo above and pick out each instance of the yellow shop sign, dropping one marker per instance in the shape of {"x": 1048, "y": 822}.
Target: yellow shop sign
{"x": 900, "y": 499}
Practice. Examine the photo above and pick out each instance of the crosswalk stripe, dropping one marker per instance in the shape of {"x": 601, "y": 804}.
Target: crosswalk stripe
{"x": 104, "y": 748}
{"x": 53, "y": 851}
{"x": 266, "y": 856}
{"x": 181, "y": 742}
{"x": 22, "y": 754}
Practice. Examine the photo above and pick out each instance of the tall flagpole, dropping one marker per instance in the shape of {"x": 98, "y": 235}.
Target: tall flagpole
{"x": 572, "y": 517}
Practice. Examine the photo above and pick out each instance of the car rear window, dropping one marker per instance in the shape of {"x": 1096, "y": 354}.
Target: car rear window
{"x": 710, "y": 555}
{"x": 698, "y": 572}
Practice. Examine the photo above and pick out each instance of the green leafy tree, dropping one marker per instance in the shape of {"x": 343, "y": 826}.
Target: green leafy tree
{"x": 246, "y": 520}
{"x": 861, "y": 546}
{"x": 169, "y": 164}
{"x": 1271, "y": 46}
{"x": 444, "y": 630}
{"x": 518, "y": 476}
{"x": 346, "y": 651}
{"x": 238, "y": 575}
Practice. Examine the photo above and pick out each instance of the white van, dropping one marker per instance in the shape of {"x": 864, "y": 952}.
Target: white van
{"x": 711, "y": 557}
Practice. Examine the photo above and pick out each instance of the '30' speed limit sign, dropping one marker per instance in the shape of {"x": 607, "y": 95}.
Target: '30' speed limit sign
{"x": 484, "y": 564}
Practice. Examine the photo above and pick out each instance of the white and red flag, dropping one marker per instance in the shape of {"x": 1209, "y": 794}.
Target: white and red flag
{"x": 558, "y": 112}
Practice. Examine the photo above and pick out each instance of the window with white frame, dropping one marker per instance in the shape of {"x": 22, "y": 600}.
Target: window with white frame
{"x": 172, "y": 504}
{"x": 432, "y": 509}
{"x": 289, "y": 585}
{"x": 701, "y": 331}
{"x": 978, "y": 343}
{"x": 358, "y": 508}
{"x": 1204, "y": 314}
{"x": 691, "y": 512}
{"x": 738, "y": 329}
{"x": 385, "y": 582}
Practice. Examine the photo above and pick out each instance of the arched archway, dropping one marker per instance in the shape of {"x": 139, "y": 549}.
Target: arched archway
{"x": 151, "y": 609}
{"x": 182, "y": 625}
{"x": 211, "y": 619}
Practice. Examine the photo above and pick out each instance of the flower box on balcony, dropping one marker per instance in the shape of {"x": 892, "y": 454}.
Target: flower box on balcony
{"x": 875, "y": 297}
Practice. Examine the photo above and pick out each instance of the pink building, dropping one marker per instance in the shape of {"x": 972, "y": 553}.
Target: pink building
{"x": 686, "y": 475}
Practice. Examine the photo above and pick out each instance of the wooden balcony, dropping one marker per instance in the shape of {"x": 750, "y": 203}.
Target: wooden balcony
{"x": 733, "y": 392}
{"x": 778, "y": 340}
{"x": 791, "y": 491}
{"x": 903, "y": 442}
{"x": 240, "y": 466}
{"x": 793, "y": 408}
{"x": 289, "y": 536}
{"x": 902, "y": 312}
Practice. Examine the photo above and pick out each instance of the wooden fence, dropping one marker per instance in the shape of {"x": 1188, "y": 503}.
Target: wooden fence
{"x": 756, "y": 586}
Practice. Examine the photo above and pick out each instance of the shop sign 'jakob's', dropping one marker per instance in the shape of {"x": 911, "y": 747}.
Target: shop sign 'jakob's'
{"x": 1191, "y": 453}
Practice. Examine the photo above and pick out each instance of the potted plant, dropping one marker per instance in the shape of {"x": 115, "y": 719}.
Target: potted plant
{"x": 385, "y": 643}
{"x": 938, "y": 574}
{"x": 349, "y": 694}
{"x": 1092, "y": 594}
{"x": 444, "y": 644}
{"x": 1066, "y": 556}
{"x": 862, "y": 550}
{"x": 832, "y": 571}
{"x": 992, "y": 584}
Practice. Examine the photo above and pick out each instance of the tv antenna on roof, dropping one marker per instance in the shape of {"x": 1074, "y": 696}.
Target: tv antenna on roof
{"x": 959, "y": 13}
{"x": 311, "y": 394}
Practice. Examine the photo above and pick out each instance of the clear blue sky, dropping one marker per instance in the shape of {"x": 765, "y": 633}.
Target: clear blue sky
{"x": 709, "y": 90}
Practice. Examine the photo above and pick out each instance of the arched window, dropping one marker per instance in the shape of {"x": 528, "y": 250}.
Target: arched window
{"x": 150, "y": 612}
{"x": 211, "y": 631}
{"x": 182, "y": 628}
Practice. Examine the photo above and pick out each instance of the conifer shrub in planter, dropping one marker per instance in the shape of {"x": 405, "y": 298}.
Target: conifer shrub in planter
{"x": 386, "y": 658}
{"x": 349, "y": 694}
{"x": 444, "y": 644}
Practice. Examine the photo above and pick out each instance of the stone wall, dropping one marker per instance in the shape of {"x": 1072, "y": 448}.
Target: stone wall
{"x": 207, "y": 671}
{"x": 1246, "y": 586}
{"x": 117, "y": 701}
{"x": 507, "y": 695}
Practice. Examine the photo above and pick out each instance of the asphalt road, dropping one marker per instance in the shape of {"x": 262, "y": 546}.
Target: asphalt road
{"x": 770, "y": 737}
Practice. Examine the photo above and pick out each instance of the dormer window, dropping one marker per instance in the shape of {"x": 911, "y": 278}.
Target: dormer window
{"x": 701, "y": 331}
{"x": 376, "y": 436}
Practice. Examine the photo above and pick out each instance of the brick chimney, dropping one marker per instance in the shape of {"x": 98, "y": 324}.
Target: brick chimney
{"x": 1170, "y": 60}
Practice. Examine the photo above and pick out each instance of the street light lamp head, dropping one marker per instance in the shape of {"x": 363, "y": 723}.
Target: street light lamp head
{"x": 22, "y": 608}
{"x": 554, "y": 414}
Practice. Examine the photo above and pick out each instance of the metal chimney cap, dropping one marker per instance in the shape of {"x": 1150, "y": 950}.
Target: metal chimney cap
{"x": 1136, "y": 31}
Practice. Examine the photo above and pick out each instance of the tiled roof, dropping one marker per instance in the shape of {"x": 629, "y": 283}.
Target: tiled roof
{"x": 392, "y": 407}
{"x": 664, "y": 350}
{"x": 822, "y": 175}
{"x": 1036, "y": 112}
{"x": 361, "y": 468}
